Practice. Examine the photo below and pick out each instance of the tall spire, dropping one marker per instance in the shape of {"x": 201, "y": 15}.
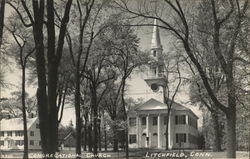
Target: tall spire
{"x": 156, "y": 41}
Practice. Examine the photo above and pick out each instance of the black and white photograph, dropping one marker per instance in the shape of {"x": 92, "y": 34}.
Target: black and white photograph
{"x": 125, "y": 79}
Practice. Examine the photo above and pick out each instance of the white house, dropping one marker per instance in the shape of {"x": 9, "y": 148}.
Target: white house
{"x": 11, "y": 134}
{"x": 147, "y": 126}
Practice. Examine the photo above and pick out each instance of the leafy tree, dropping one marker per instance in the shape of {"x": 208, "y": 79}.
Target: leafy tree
{"x": 82, "y": 40}
{"x": 13, "y": 105}
{"x": 98, "y": 72}
{"x": 46, "y": 94}
{"x": 172, "y": 74}
{"x": 120, "y": 40}
{"x": 21, "y": 38}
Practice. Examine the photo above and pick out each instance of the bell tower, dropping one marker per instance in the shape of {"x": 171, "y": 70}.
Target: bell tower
{"x": 156, "y": 77}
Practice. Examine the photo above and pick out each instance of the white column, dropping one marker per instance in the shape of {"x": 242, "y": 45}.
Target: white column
{"x": 147, "y": 129}
{"x": 137, "y": 130}
{"x": 140, "y": 133}
{"x": 171, "y": 130}
{"x": 159, "y": 130}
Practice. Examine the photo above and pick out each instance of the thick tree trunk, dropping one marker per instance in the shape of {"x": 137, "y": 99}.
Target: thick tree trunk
{"x": 99, "y": 137}
{"x": 105, "y": 138}
{"x": 125, "y": 116}
{"x": 167, "y": 123}
{"x": 78, "y": 114}
{"x": 56, "y": 134}
{"x": 47, "y": 107}
{"x": 217, "y": 132}
{"x": 115, "y": 138}
{"x": 231, "y": 115}
{"x": 85, "y": 133}
{"x": 231, "y": 135}
{"x": 115, "y": 141}
{"x": 95, "y": 114}
{"x": 90, "y": 137}
{"x": 42, "y": 100}
{"x": 231, "y": 111}
{"x": 52, "y": 80}
{"x": 52, "y": 106}
{"x": 127, "y": 142}
{"x": 2, "y": 9}
{"x": 25, "y": 133}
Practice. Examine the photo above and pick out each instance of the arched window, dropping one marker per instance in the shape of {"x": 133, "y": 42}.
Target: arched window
{"x": 154, "y": 53}
{"x": 144, "y": 134}
{"x": 154, "y": 134}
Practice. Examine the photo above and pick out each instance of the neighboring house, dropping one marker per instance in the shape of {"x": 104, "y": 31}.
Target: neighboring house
{"x": 147, "y": 126}
{"x": 69, "y": 140}
{"x": 66, "y": 139}
{"x": 11, "y": 134}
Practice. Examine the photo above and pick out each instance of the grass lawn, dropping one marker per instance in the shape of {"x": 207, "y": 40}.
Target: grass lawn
{"x": 134, "y": 154}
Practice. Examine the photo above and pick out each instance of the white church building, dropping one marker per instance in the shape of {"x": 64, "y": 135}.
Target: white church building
{"x": 147, "y": 126}
{"x": 147, "y": 122}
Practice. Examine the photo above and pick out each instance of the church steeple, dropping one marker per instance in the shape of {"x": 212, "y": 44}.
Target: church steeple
{"x": 156, "y": 73}
{"x": 156, "y": 47}
{"x": 156, "y": 41}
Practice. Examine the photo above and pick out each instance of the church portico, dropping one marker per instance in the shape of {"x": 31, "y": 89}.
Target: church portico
{"x": 147, "y": 126}
{"x": 150, "y": 129}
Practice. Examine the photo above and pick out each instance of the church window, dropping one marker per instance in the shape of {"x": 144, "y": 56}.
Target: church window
{"x": 132, "y": 121}
{"x": 31, "y": 142}
{"x": 180, "y": 119}
{"x": 19, "y": 142}
{"x": 154, "y": 53}
{"x": 31, "y": 133}
{"x": 9, "y": 133}
{"x": 192, "y": 122}
{"x": 143, "y": 121}
{"x": 154, "y": 134}
{"x": 19, "y": 133}
{"x": 155, "y": 71}
{"x": 154, "y": 120}
{"x": 132, "y": 138}
{"x": 181, "y": 137}
{"x": 144, "y": 134}
{"x": 1, "y": 133}
{"x": 161, "y": 71}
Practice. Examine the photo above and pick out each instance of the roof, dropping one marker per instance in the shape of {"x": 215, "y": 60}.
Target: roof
{"x": 15, "y": 124}
{"x": 65, "y": 138}
{"x": 156, "y": 41}
{"x": 63, "y": 134}
{"x": 153, "y": 104}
